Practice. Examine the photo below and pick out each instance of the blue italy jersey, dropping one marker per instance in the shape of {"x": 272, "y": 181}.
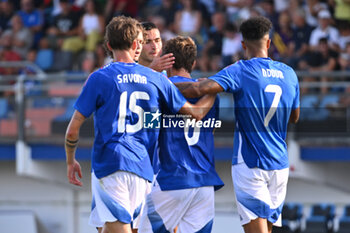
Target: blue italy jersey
{"x": 120, "y": 95}
{"x": 265, "y": 92}
{"x": 186, "y": 153}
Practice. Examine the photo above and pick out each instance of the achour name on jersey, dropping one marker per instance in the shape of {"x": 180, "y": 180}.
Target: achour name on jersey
{"x": 272, "y": 73}
{"x": 131, "y": 78}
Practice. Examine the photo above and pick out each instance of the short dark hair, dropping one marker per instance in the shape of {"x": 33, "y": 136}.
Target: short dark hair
{"x": 147, "y": 26}
{"x": 121, "y": 31}
{"x": 184, "y": 50}
{"x": 255, "y": 28}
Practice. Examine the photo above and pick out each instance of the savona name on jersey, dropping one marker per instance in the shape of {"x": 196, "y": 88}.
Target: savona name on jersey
{"x": 131, "y": 78}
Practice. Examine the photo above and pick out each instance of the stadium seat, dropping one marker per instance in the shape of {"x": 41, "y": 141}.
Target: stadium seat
{"x": 321, "y": 219}
{"x": 325, "y": 103}
{"x": 292, "y": 211}
{"x": 329, "y": 100}
{"x": 59, "y": 124}
{"x": 309, "y": 105}
{"x": 283, "y": 229}
{"x": 69, "y": 111}
{"x": 344, "y": 222}
{"x": 39, "y": 120}
{"x": 318, "y": 120}
{"x": 62, "y": 60}
{"x": 44, "y": 59}
{"x": 291, "y": 218}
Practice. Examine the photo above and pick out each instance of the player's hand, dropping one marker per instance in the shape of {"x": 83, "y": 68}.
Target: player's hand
{"x": 72, "y": 169}
{"x": 162, "y": 63}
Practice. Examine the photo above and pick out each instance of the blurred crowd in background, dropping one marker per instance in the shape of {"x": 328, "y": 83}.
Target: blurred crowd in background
{"x": 57, "y": 35}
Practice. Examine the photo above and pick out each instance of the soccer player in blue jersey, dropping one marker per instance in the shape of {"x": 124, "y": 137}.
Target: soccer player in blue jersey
{"x": 266, "y": 95}
{"x": 119, "y": 95}
{"x": 183, "y": 193}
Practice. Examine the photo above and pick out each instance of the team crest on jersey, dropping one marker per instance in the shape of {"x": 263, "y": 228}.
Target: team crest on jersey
{"x": 151, "y": 120}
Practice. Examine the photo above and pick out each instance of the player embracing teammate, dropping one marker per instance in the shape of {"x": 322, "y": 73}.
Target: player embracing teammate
{"x": 118, "y": 95}
{"x": 266, "y": 95}
{"x": 121, "y": 92}
{"x": 187, "y": 178}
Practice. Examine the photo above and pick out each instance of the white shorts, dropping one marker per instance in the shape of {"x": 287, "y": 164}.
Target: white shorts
{"x": 118, "y": 197}
{"x": 259, "y": 193}
{"x": 192, "y": 210}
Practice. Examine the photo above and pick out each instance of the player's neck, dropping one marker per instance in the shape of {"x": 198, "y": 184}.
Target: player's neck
{"x": 125, "y": 56}
{"x": 181, "y": 72}
{"x": 256, "y": 53}
{"x": 257, "y": 48}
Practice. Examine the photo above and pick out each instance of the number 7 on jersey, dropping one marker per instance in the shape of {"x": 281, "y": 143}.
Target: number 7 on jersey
{"x": 276, "y": 99}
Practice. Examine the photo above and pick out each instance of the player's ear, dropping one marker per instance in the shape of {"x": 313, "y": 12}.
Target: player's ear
{"x": 194, "y": 64}
{"x": 134, "y": 45}
{"x": 243, "y": 45}
{"x": 109, "y": 46}
{"x": 268, "y": 43}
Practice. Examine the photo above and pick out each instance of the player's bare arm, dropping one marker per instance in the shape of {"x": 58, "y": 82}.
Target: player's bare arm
{"x": 71, "y": 143}
{"x": 198, "y": 89}
{"x": 161, "y": 63}
{"x": 294, "y": 116}
{"x": 200, "y": 109}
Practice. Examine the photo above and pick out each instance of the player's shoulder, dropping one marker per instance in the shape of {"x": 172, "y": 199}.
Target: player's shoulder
{"x": 103, "y": 75}
{"x": 120, "y": 67}
{"x": 287, "y": 70}
{"x": 105, "y": 69}
{"x": 101, "y": 72}
{"x": 232, "y": 70}
{"x": 235, "y": 66}
{"x": 283, "y": 66}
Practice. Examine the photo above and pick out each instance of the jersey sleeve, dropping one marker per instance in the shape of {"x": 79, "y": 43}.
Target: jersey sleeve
{"x": 90, "y": 96}
{"x": 171, "y": 95}
{"x": 227, "y": 79}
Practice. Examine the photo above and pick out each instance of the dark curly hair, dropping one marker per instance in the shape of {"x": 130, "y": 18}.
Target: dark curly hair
{"x": 184, "y": 50}
{"x": 255, "y": 28}
{"x": 147, "y": 26}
